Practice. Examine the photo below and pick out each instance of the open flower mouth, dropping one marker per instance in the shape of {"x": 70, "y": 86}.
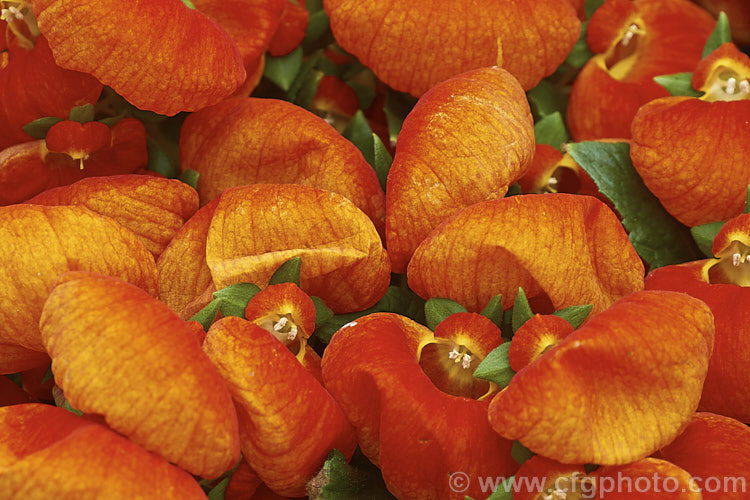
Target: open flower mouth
{"x": 619, "y": 59}
{"x": 731, "y": 267}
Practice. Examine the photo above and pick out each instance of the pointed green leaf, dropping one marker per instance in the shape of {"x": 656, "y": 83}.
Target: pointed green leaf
{"x": 494, "y": 310}
{"x": 504, "y": 490}
{"x": 365, "y": 93}
{"x": 111, "y": 121}
{"x": 38, "y": 128}
{"x": 207, "y": 315}
{"x": 48, "y": 375}
{"x": 382, "y": 160}
{"x": 436, "y": 310}
{"x": 190, "y": 5}
{"x": 340, "y": 480}
{"x": 217, "y": 492}
{"x": 234, "y": 298}
{"x": 747, "y": 202}
{"x": 302, "y": 90}
{"x": 496, "y": 366}
{"x": 547, "y": 98}
{"x": 721, "y": 34}
{"x": 288, "y": 272}
{"x": 317, "y": 24}
{"x": 397, "y": 106}
{"x": 580, "y": 53}
{"x": 657, "y": 236}
{"x": 190, "y": 177}
{"x": 575, "y": 315}
{"x": 678, "y": 84}
{"x": 513, "y": 190}
{"x": 520, "y": 453}
{"x": 704, "y": 236}
{"x": 158, "y": 161}
{"x": 16, "y": 378}
{"x": 551, "y": 130}
{"x": 590, "y": 7}
{"x": 82, "y": 114}
{"x": 521, "y": 310}
{"x": 322, "y": 311}
{"x": 360, "y": 134}
{"x": 283, "y": 70}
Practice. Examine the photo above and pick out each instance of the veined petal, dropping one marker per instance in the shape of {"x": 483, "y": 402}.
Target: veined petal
{"x": 650, "y": 478}
{"x": 47, "y": 452}
{"x": 77, "y": 140}
{"x": 414, "y": 45}
{"x": 539, "y": 476}
{"x": 465, "y": 141}
{"x": 291, "y": 30}
{"x": 160, "y": 56}
{"x": 262, "y": 141}
{"x": 535, "y": 337}
{"x": 284, "y": 310}
{"x": 126, "y": 356}
{"x": 572, "y": 248}
{"x": 615, "y": 390}
{"x": 14, "y": 358}
{"x": 152, "y": 207}
{"x": 288, "y": 421}
{"x": 39, "y": 243}
{"x": 257, "y": 228}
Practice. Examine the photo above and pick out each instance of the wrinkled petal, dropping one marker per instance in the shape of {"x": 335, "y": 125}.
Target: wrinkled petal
{"x": 615, "y": 390}
{"x": 39, "y": 243}
{"x": 291, "y": 30}
{"x": 253, "y": 141}
{"x": 465, "y": 141}
{"x": 160, "y": 56}
{"x": 288, "y": 421}
{"x": 257, "y": 228}
{"x": 152, "y": 207}
{"x": 47, "y": 452}
{"x": 571, "y": 248}
{"x": 413, "y": 45}
{"x": 126, "y": 356}
{"x": 536, "y": 336}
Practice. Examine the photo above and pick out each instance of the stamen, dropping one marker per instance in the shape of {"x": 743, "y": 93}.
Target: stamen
{"x": 466, "y": 362}
{"x": 744, "y": 86}
{"x": 731, "y": 86}
{"x": 559, "y": 494}
{"x": 552, "y": 181}
{"x": 628, "y": 36}
{"x": 736, "y": 259}
{"x": 454, "y": 354}
{"x": 281, "y": 323}
{"x": 10, "y": 13}
{"x": 292, "y": 332}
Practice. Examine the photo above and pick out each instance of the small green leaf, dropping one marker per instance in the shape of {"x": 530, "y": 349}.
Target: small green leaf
{"x": 382, "y": 160}
{"x": 657, "y": 236}
{"x": 340, "y": 480}
{"x": 575, "y": 315}
{"x": 217, "y": 492}
{"x": 234, "y": 298}
{"x": 360, "y": 134}
{"x": 365, "y": 93}
{"x": 82, "y": 114}
{"x": 580, "y": 53}
{"x": 513, "y": 190}
{"x": 436, "y": 310}
{"x": 704, "y": 236}
{"x": 111, "y": 121}
{"x": 747, "y": 202}
{"x": 190, "y": 5}
{"x": 521, "y": 310}
{"x": 158, "y": 161}
{"x": 288, "y": 272}
{"x": 67, "y": 406}
{"x": 48, "y": 375}
{"x": 283, "y": 70}
{"x": 316, "y": 25}
{"x": 589, "y": 468}
{"x": 190, "y": 177}
{"x": 38, "y": 128}
{"x": 494, "y": 310}
{"x": 306, "y": 81}
{"x": 678, "y": 84}
{"x": 721, "y": 34}
{"x": 15, "y": 378}
{"x": 207, "y": 315}
{"x": 590, "y": 7}
{"x": 504, "y": 490}
{"x": 496, "y": 366}
{"x": 397, "y": 106}
{"x": 322, "y": 311}
{"x": 520, "y": 453}
{"x": 551, "y": 130}
{"x": 547, "y": 98}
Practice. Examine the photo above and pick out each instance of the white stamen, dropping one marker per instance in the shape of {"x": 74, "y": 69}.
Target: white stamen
{"x": 552, "y": 181}
{"x": 292, "y": 333}
{"x": 280, "y": 324}
{"x": 731, "y": 86}
{"x": 453, "y": 354}
{"x": 736, "y": 259}
{"x": 561, "y": 495}
{"x": 628, "y": 36}
{"x": 10, "y": 13}
{"x": 744, "y": 86}
{"x": 547, "y": 496}
{"x": 466, "y": 362}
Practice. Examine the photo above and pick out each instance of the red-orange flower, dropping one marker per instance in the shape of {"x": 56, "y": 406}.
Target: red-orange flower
{"x": 633, "y": 42}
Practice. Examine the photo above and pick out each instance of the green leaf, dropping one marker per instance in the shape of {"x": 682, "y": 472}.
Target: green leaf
{"x": 67, "y": 406}
{"x": 322, "y": 311}
{"x": 302, "y": 90}
{"x": 48, "y": 375}
{"x": 590, "y": 7}
{"x": 190, "y": 5}
{"x": 494, "y": 310}
{"x": 382, "y": 160}
{"x": 704, "y": 236}
{"x": 747, "y": 202}
{"x": 365, "y": 93}
{"x": 16, "y": 378}
{"x": 340, "y": 480}
{"x": 721, "y": 34}
{"x": 657, "y": 236}
{"x": 504, "y": 490}
{"x": 580, "y": 53}
{"x": 496, "y": 366}
{"x": 521, "y": 310}
{"x": 288, "y": 272}
{"x": 217, "y": 492}
{"x": 82, "y": 114}
{"x": 38, "y": 128}
{"x": 111, "y": 121}
{"x": 316, "y": 25}
{"x": 575, "y": 315}
{"x": 234, "y": 298}
{"x": 283, "y": 70}
{"x": 551, "y": 130}
{"x": 158, "y": 161}
{"x": 360, "y": 134}
{"x": 520, "y": 453}
{"x": 397, "y": 106}
{"x": 190, "y": 177}
{"x": 678, "y": 84}
{"x": 436, "y": 310}
{"x": 547, "y": 98}
{"x": 513, "y": 190}
{"x": 207, "y": 315}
